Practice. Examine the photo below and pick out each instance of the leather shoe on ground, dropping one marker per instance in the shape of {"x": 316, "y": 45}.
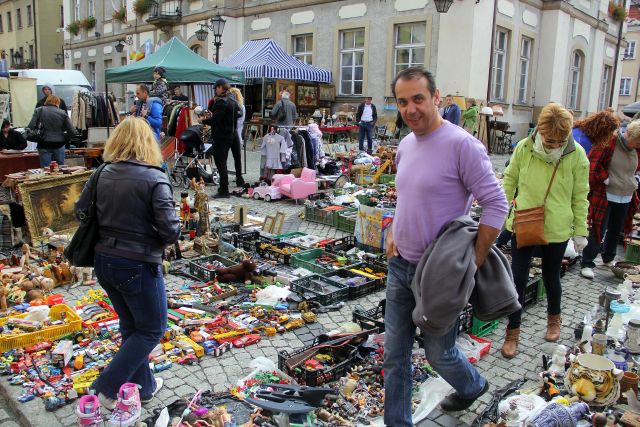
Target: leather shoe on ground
{"x": 587, "y": 273}
{"x": 454, "y": 402}
{"x": 222, "y": 196}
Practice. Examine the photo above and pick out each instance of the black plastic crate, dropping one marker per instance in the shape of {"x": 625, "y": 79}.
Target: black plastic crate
{"x": 374, "y": 318}
{"x": 356, "y": 291}
{"x": 270, "y": 251}
{"x": 198, "y": 267}
{"x": 321, "y": 289}
{"x": 373, "y": 269}
{"x": 532, "y": 292}
{"x": 293, "y": 363}
{"x": 341, "y": 245}
{"x": 369, "y": 249}
{"x": 245, "y": 240}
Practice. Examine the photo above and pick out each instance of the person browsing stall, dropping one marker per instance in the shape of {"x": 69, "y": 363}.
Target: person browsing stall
{"x": 57, "y": 131}
{"x": 148, "y": 108}
{"x": 47, "y": 90}
{"x": 549, "y": 169}
{"x": 366, "y": 117}
{"x": 11, "y": 139}
{"x": 223, "y": 122}
{"x": 284, "y": 112}
{"x": 451, "y": 111}
{"x": 440, "y": 167}
{"x": 137, "y": 220}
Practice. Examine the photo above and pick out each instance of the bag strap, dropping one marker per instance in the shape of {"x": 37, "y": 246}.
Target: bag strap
{"x": 94, "y": 186}
{"x": 555, "y": 169}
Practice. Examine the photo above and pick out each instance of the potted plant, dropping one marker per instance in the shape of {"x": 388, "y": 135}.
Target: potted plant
{"x": 140, "y": 7}
{"x": 120, "y": 15}
{"x": 617, "y": 11}
{"x": 88, "y": 23}
{"x": 74, "y": 27}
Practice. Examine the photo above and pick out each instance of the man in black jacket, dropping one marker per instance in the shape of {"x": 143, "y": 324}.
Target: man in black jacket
{"x": 366, "y": 117}
{"x": 47, "y": 90}
{"x": 223, "y": 118}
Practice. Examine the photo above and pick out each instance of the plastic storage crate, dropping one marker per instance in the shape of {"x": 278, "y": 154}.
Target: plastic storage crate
{"x": 346, "y": 220}
{"x": 632, "y": 253}
{"x": 531, "y": 290}
{"x": 198, "y": 267}
{"x": 273, "y": 252}
{"x": 293, "y": 363}
{"x": 374, "y": 318}
{"x": 343, "y": 244}
{"x": 245, "y": 240}
{"x": 307, "y": 259}
{"x": 321, "y": 216}
{"x": 320, "y": 289}
{"x": 286, "y": 236}
{"x": 480, "y": 328}
{"x": 387, "y": 178}
{"x": 369, "y": 249}
{"x": 73, "y": 323}
{"x": 356, "y": 291}
{"x": 371, "y": 271}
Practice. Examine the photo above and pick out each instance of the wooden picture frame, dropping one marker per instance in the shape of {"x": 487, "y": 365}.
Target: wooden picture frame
{"x": 278, "y": 223}
{"x": 327, "y": 93}
{"x": 307, "y": 96}
{"x": 269, "y": 91}
{"x": 290, "y": 86}
{"x": 50, "y": 203}
{"x": 268, "y": 224}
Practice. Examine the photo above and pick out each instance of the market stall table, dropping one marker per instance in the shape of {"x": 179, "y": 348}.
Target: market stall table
{"x": 334, "y": 132}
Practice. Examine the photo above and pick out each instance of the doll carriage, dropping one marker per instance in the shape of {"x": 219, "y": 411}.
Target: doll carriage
{"x": 192, "y": 160}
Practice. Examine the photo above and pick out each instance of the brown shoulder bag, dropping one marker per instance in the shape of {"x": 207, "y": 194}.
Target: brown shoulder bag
{"x": 528, "y": 224}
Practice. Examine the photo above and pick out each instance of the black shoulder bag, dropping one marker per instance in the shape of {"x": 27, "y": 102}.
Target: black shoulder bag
{"x": 81, "y": 250}
{"x": 37, "y": 134}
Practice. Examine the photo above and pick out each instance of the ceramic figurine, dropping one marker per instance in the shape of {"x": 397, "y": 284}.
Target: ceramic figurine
{"x": 201, "y": 202}
{"x": 184, "y": 207}
{"x": 558, "y": 360}
{"x": 549, "y": 388}
{"x": 3, "y": 297}
{"x": 554, "y": 415}
{"x": 585, "y": 372}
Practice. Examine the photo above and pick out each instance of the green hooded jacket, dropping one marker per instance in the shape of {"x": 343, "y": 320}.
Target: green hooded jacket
{"x": 567, "y": 205}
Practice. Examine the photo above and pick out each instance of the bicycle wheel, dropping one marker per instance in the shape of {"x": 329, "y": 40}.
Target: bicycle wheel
{"x": 175, "y": 179}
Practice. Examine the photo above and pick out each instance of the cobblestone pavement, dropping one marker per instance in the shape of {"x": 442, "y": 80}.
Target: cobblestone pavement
{"x": 220, "y": 373}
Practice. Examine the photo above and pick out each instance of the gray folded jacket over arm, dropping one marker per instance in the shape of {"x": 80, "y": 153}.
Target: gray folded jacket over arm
{"x": 447, "y": 278}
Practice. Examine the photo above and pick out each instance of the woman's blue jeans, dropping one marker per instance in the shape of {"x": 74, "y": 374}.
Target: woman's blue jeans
{"x": 441, "y": 351}
{"x": 136, "y": 290}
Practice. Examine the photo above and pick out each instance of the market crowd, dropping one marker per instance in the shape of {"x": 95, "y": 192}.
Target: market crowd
{"x": 567, "y": 183}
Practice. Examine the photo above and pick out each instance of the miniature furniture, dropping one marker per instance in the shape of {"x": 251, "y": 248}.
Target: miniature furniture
{"x": 296, "y": 188}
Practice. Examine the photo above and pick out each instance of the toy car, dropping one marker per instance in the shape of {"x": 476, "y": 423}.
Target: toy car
{"x": 246, "y": 340}
{"x": 45, "y": 345}
{"x": 189, "y": 359}
{"x": 267, "y": 192}
{"x": 293, "y": 324}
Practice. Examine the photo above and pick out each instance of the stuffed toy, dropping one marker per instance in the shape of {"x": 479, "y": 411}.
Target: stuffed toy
{"x": 242, "y": 272}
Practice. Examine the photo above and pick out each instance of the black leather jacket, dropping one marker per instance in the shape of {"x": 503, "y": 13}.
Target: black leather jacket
{"x": 136, "y": 211}
{"x": 224, "y": 119}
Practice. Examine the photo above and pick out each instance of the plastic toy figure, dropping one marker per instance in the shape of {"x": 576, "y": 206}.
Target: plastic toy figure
{"x": 201, "y": 203}
{"x": 184, "y": 207}
{"x": 194, "y": 218}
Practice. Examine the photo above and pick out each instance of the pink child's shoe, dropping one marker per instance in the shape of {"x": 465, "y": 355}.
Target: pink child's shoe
{"x": 127, "y": 411}
{"x": 88, "y": 412}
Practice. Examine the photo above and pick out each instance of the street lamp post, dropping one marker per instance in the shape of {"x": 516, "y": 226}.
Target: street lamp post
{"x": 17, "y": 58}
{"x": 121, "y": 42}
{"x": 215, "y": 24}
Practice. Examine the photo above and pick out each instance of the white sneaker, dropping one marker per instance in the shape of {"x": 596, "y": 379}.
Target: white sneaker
{"x": 107, "y": 403}
{"x": 609, "y": 264}
{"x": 159, "y": 384}
{"x": 587, "y": 273}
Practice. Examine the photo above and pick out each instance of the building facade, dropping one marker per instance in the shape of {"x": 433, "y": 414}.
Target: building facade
{"x": 520, "y": 54}
{"x": 30, "y": 34}
{"x": 628, "y": 87}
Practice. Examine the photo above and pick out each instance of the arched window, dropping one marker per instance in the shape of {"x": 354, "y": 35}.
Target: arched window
{"x": 575, "y": 79}
{"x": 196, "y": 48}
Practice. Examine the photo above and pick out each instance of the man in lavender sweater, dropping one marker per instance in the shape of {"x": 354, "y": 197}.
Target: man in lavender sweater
{"x": 439, "y": 166}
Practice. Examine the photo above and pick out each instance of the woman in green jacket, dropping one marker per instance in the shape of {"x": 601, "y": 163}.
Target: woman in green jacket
{"x": 470, "y": 117}
{"x": 529, "y": 172}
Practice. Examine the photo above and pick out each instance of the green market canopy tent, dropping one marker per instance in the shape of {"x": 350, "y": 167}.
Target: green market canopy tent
{"x": 182, "y": 65}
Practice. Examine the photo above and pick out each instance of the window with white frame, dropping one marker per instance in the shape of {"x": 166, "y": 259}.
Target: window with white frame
{"x": 29, "y": 16}
{"x": 575, "y": 80}
{"x": 77, "y": 67}
{"x": 92, "y": 74}
{"x": 91, "y": 8}
{"x": 605, "y": 84}
{"x": 525, "y": 61}
{"x": 9, "y": 22}
{"x": 625, "y": 86}
{"x": 303, "y": 47}
{"x": 409, "y": 41}
{"x": 76, "y": 10}
{"x": 351, "y": 61}
{"x": 19, "y": 18}
{"x": 500, "y": 64}
{"x": 630, "y": 50}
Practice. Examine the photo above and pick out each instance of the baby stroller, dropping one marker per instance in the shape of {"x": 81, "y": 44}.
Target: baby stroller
{"x": 192, "y": 162}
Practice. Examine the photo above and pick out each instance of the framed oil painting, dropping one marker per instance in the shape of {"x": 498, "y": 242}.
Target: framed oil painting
{"x": 50, "y": 204}
{"x": 307, "y": 95}
{"x": 327, "y": 93}
{"x": 269, "y": 91}
{"x": 287, "y": 85}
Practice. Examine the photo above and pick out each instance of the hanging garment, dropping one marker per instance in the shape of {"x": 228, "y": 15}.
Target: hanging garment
{"x": 183, "y": 122}
{"x": 308, "y": 146}
{"x": 274, "y": 147}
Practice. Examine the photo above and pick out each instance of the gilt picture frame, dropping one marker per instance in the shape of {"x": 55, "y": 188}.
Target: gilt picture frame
{"x": 50, "y": 204}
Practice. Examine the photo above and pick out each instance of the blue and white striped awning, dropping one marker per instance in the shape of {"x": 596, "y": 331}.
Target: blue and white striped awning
{"x": 265, "y": 59}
